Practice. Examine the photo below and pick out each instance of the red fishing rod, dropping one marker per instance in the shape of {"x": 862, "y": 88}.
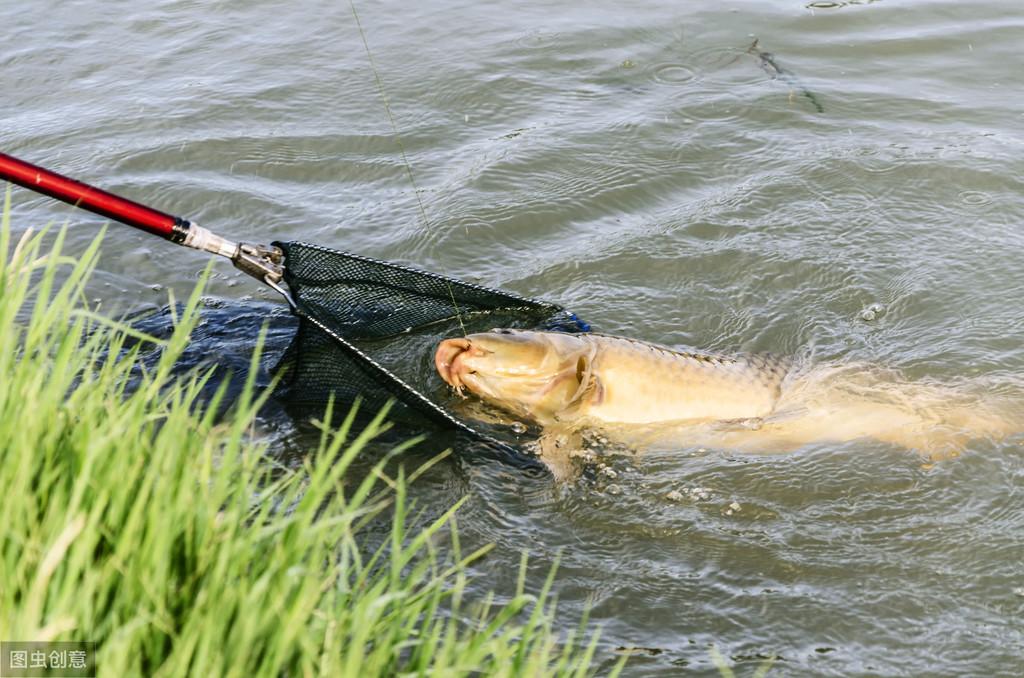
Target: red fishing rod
{"x": 260, "y": 261}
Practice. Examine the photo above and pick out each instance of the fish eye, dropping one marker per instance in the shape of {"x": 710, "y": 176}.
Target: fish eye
{"x": 502, "y": 331}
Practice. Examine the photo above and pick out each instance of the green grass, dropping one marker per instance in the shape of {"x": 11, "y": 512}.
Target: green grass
{"x": 134, "y": 518}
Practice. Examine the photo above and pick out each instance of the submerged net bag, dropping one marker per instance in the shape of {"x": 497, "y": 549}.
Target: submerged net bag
{"x": 368, "y": 330}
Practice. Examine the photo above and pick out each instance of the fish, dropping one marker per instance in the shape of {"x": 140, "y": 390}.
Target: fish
{"x": 641, "y": 391}
{"x": 551, "y": 377}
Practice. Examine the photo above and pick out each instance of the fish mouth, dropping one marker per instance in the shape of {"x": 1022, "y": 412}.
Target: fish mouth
{"x": 449, "y": 361}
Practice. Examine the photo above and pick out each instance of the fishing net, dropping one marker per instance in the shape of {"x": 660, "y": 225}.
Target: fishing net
{"x": 368, "y": 330}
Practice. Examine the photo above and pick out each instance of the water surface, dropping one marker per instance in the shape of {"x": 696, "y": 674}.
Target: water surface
{"x": 637, "y": 164}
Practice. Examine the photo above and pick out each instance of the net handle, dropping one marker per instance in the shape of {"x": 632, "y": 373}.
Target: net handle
{"x": 82, "y": 195}
{"x": 260, "y": 261}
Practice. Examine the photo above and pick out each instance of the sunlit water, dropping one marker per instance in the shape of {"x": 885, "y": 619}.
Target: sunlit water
{"x": 637, "y": 163}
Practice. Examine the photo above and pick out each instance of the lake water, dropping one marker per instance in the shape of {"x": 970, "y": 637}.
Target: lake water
{"x": 641, "y": 165}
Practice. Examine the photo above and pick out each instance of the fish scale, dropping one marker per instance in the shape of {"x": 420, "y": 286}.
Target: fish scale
{"x": 644, "y": 383}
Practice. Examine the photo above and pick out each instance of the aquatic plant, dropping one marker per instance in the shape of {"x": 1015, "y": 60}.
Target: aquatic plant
{"x": 134, "y": 517}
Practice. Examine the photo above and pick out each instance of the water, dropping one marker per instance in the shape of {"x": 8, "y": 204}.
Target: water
{"x": 634, "y": 162}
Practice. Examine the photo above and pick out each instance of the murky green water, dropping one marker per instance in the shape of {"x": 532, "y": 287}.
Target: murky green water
{"x": 634, "y": 162}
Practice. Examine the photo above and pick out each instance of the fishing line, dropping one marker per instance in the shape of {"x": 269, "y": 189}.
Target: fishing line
{"x": 401, "y": 149}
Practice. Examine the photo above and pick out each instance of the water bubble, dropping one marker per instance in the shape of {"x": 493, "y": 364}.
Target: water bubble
{"x": 674, "y": 495}
{"x": 518, "y": 427}
{"x": 872, "y": 312}
{"x": 698, "y": 493}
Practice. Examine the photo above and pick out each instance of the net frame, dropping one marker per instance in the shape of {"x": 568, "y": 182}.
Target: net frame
{"x": 351, "y": 304}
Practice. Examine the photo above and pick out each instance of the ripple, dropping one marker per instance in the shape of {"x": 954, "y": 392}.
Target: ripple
{"x": 711, "y": 106}
{"x": 837, "y": 4}
{"x": 673, "y": 74}
{"x": 538, "y": 39}
{"x": 727, "y": 66}
{"x": 974, "y": 198}
{"x": 880, "y": 160}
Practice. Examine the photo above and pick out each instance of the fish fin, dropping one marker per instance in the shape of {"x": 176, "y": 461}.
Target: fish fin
{"x": 589, "y": 388}
{"x": 591, "y": 393}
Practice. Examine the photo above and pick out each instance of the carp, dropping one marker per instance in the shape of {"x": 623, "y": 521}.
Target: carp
{"x": 761, "y": 403}
{"x": 553, "y": 377}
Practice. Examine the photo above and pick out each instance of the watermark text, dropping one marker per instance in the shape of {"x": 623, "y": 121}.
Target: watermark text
{"x": 32, "y": 659}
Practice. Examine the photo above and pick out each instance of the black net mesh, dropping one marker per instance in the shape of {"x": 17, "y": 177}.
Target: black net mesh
{"x": 368, "y": 330}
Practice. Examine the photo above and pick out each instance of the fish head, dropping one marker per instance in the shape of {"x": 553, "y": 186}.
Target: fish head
{"x": 537, "y": 375}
